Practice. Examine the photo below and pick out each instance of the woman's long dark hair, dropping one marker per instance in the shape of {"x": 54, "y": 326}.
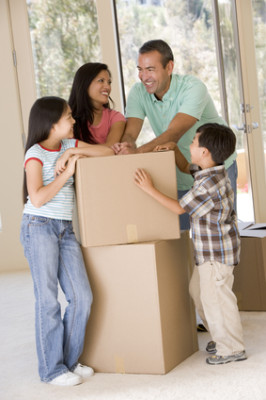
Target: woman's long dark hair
{"x": 80, "y": 102}
{"x": 44, "y": 113}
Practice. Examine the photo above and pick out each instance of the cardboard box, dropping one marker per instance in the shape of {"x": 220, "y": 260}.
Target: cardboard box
{"x": 250, "y": 275}
{"x": 142, "y": 318}
{"x": 113, "y": 210}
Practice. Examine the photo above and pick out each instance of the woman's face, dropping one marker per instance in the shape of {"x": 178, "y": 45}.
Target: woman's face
{"x": 100, "y": 89}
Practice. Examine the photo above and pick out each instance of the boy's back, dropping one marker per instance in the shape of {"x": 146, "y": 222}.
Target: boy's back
{"x": 213, "y": 220}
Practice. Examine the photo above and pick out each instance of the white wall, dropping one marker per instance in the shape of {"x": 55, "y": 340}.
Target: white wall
{"x": 11, "y": 159}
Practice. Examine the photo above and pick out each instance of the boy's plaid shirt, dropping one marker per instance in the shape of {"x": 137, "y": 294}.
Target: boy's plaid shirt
{"x": 213, "y": 221}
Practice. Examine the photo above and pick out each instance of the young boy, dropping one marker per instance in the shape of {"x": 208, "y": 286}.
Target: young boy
{"x": 215, "y": 237}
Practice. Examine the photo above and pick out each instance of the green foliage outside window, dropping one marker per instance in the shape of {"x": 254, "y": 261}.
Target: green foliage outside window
{"x": 185, "y": 25}
{"x": 64, "y": 36}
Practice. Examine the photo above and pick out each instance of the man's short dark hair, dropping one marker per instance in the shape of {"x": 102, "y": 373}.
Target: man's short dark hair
{"x": 162, "y": 47}
{"x": 220, "y": 140}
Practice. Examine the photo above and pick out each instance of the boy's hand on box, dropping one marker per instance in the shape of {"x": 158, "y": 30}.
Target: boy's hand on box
{"x": 143, "y": 180}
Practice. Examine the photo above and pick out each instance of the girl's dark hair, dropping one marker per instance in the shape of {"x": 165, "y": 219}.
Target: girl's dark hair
{"x": 44, "y": 113}
{"x": 80, "y": 102}
{"x": 162, "y": 47}
{"x": 220, "y": 140}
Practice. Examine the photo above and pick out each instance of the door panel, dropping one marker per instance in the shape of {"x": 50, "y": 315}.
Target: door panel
{"x": 251, "y": 109}
{"x": 233, "y": 81}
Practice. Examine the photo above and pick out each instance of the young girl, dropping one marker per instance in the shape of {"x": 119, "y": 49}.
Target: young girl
{"x": 49, "y": 243}
{"x": 89, "y": 101}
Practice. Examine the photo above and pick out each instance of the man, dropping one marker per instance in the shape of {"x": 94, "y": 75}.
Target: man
{"x": 175, "y": 106}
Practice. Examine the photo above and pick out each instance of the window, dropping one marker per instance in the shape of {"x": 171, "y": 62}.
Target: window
{"x": 64, "y": 35}
{"x": 186, "y": 26}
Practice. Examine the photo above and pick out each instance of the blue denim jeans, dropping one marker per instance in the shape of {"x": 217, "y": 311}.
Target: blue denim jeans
{"x": 55, "y": 256}
{"x": 184, "y": 221}
{"x": 232, "y": 175}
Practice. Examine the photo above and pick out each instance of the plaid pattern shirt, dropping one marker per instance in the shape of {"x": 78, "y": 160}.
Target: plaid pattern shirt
{"x": 213, "y": 221}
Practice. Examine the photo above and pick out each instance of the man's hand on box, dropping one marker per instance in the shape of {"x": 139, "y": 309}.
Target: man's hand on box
{"x": 165, "y": 146}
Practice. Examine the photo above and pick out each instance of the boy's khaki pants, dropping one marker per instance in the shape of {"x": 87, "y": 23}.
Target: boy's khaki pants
{"x": 211, "y": 289}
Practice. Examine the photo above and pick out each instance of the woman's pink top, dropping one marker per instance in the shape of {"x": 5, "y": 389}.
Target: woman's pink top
{"x": 109, "y": 117}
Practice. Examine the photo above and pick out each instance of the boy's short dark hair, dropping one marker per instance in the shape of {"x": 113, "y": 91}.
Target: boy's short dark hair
{"x": 220, "y": 140}
{"x": 162, "y": 47}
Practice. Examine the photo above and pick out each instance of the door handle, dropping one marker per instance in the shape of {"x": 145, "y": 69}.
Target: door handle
{"x": 255, "y": 125}
{"x": 247, "y": 128}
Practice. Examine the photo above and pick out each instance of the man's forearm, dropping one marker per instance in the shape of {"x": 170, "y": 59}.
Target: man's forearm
{"x": 127, "y": 137}
{"x": 181, "y": 161}
{"x": 179, "y": 125}
{"x": 167, "y": 136}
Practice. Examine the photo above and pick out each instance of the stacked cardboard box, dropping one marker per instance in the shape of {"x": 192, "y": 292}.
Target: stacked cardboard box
{"x": 142, "y": 318}
{"x": 250, "y": 274}
{"x": 113, "y": 210}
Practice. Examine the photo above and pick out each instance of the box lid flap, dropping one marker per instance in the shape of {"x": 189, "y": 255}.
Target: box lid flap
{"x": 248, "y": 229}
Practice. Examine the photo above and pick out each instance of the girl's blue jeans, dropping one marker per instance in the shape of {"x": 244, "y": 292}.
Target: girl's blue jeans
{"x": 55, "y": 256}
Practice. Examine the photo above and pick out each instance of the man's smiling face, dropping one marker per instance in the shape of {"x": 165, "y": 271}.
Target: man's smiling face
{"x": 153, "y": 75}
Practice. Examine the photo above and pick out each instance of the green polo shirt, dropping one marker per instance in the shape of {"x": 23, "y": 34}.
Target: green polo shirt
{"x": 187, "y": 94}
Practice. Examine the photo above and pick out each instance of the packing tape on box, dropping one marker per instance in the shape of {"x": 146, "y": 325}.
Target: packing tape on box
{"x": 132, "y": 233}
{"x": 119, "y": 365}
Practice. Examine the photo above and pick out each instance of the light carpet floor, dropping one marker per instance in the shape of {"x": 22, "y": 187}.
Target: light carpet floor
{"x": 193, "y": 379}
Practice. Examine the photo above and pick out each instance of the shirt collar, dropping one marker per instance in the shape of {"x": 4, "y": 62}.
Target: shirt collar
{"x": 201, "y": 173}
{"x": 168, "y": 96}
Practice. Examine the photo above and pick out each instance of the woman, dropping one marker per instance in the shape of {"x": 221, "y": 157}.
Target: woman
{"x": 89, "y": 102}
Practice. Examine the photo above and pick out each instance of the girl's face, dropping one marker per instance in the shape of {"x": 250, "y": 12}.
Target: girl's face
{"x": 100, "y": 89}
{"x": 64, "y": 127}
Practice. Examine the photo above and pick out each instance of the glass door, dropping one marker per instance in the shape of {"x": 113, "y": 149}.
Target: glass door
{"x": 252, "y": 91}
{"x": 234, "y": 103}
{"x": 227, "y": 63}
{"x": 242, "y": 77}
{"x": 188, "y": 28}
{"x": 259, "y": 22}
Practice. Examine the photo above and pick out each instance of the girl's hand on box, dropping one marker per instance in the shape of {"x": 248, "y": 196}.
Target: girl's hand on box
{"x": 71, "y": 164}
{"x": 61, "y": 163}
